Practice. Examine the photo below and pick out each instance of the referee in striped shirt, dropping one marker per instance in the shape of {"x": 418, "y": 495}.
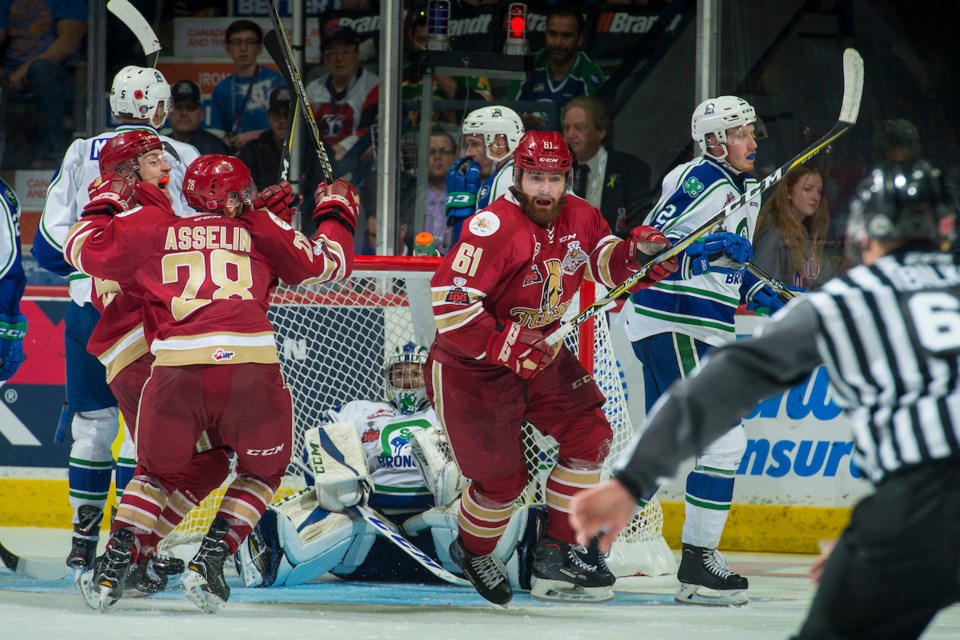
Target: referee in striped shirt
{"x": 888, "y": 333}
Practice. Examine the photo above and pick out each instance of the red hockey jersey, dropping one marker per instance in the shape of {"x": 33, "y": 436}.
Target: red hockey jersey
{"x": 206, "y": 280}
{"x": 506, "y": 267}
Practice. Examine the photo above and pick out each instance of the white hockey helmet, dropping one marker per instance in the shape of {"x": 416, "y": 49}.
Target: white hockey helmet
{"x": 717, "y": 115}
{"x": 491, "y": 122}
{"x": 142, "y": 93}
{"x": 405, "y": 388}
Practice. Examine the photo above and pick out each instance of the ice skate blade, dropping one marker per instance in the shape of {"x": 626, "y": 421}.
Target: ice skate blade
{"x": 193, "y": 586}
{"x": 699, "y": 595}
{"x": 89, "y": 591}
{"x": 560, "y": 591}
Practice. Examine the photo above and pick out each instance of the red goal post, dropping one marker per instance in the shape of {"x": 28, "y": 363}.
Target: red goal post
{"x": 333, "y": 340}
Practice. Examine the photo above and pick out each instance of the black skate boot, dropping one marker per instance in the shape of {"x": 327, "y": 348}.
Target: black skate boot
{"x": 102, "y": 586}
{"x": 705, "y": 569}
{"x": 487, "y": 573}
{"x": 86, "y": 534}
{"x": 204, "y": 583}
{"x": 564, "y": 571}
{"x": 150, "y": 574}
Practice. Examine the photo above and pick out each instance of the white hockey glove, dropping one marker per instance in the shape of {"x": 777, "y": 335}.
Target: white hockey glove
{"x": 335, "y": 455}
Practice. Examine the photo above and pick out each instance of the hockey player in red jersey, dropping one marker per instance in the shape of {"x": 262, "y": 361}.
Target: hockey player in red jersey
{"x": 497, "y": 294}
{"x": 205, "y": 281}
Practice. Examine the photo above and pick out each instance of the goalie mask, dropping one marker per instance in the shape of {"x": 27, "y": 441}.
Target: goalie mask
{"x": 406, "y": 389}
{"x": 217, "y": 183}
{"x": 900, "y": 201}
{"x": 141, "y": 93}
{"x": 715, "y": 116}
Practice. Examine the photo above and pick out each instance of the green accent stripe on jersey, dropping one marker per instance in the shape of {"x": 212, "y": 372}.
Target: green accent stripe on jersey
{"x": 707, "y": 505}
{"x": 417, "y": 491}
{"x": 696, "y": 322}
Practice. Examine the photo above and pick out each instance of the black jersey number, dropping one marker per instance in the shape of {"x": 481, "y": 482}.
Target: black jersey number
{"x": 936, "y": 317}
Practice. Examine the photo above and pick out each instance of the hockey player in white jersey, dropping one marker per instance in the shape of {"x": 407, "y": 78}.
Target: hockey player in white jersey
{"x": 394, "y": 452}
{"x": 674, "y": 323}
{"x": 139, "y": 99}
{"x": 489, "y": 136}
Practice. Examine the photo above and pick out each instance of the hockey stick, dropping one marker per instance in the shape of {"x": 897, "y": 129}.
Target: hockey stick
{"x": 39, "y": 569}
{"x": 285, "y": 156}
{"x": 778, "y": 287}
{"x": 849, "y": 109}
{"x": 276, "y": 44}
{"x": 128, "y": 15}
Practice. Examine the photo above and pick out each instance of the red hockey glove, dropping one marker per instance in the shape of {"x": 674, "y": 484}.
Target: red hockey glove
{"x": 521, "y": 350}
{"x": 280, "y": 200}
{"x": 338, "y": 201}
{"x": 645, "y": 244}
{"x": 110, "y": 195}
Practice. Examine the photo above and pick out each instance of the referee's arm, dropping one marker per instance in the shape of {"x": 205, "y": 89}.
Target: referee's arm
{"x": 700, "y": 409}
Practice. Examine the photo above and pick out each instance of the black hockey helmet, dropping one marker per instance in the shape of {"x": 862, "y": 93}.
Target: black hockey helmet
{"x": 901, "y": 201}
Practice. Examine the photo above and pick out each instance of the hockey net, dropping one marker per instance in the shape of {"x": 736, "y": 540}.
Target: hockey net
{"x": 333, "y": 340}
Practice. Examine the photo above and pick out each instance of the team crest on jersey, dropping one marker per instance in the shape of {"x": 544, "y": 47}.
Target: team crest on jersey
{"x": 533, "y": 276}
{"x": 221, "y": 355}
{"x": 552, "y": 306}
{"x": 730, "y": 198}
{"x": 692, "y": 187}
{"x": 370, "y": 435}
{"x": 458, "y": 295}
{"x": 575, "y": 258}
{"x": 484, "y": 224}
{"x": 10, "y": 196}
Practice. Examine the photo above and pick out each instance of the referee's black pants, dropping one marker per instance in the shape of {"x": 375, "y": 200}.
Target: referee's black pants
{"x": 897, "y": 564}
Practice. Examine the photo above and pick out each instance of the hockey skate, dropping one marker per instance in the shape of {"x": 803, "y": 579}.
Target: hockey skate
{"x": 487, "y": 573}
{"x": 204, "y": 583}
{"x": 151, "y": 573}
{"x": 564, "y": 571}
{"x": 706, "y": 579}
{"x": 86, "y": 534}
{"x": 102, "y": 586}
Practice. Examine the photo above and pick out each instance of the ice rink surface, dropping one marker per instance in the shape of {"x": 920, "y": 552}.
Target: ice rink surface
{"x": 42, "y": 609}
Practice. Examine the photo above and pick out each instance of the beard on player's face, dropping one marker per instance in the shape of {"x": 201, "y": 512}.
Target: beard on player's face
{"x": 541, "y": 210}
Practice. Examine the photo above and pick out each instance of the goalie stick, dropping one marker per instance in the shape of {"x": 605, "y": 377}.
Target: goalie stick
{"x": 276, "y": 44}
{"x": 39, "y": 569}
{"x": 130, "y": 16}
{"x": 393, "y": 534}
{"x": 849, "y": 109}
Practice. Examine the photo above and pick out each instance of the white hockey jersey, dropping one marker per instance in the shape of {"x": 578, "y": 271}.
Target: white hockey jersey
{"x": 700, "y": 306}
{"x": 385, "y": 434}
{"x": 67, "y": 195}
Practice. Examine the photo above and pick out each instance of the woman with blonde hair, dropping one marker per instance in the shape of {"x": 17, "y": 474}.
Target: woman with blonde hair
{"x": 792, "y": 228}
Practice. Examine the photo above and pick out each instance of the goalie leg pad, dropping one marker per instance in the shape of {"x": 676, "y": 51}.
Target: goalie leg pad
{"x": 435, "y": 461}
{"x": 339, "y": 464}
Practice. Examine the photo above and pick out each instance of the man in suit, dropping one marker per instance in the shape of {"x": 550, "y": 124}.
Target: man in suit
{"x": 615, "y": 182}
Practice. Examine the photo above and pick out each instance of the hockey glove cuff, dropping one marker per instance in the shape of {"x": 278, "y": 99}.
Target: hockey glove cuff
{"x": 523, "y": 351}
{"x": 463, "y": 184}
{"x": 338, "y": 201}
{"x": 13, "y": 329}
{"x": 280, "y": 200}
{"x": 645, "y": 244}
{"x": 722, "y": 252}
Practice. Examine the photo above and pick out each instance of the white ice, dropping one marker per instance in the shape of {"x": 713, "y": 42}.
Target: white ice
{"x": 779, "y": 597}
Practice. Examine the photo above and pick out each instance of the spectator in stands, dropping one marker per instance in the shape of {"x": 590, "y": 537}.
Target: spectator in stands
{"x": 444, "y": 87}
{"x": 263, "y": 155}
{"x": 368, "y": 245}
{"x": 613, "y": 181}
{"x": 896, "y": 140}
{"x": 561, "y": 70}
{"x": 38, "y": 37}
{"x": 344, "y": 100}
{"x": 443, "y": 151}
{"x": 186, "y": 123}
{"x": 240, "y": 100}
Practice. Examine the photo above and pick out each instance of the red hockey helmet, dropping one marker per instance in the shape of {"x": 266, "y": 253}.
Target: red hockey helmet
{"x": 541, "y": 151}
{"x": 123, "y": 150}
{"x": 214, "y": 181}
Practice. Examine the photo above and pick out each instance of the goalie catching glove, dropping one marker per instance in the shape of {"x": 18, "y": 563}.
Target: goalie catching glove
{"x": 645, "y": 244}
{"x": 280, "y": 200}
{"x": 110, "y": 195}
{"x": 523, "y": 351}
{"x": 338, "y": 201}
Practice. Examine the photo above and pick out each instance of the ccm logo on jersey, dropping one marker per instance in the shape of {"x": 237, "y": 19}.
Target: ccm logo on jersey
{"x": 265, "y": 452}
